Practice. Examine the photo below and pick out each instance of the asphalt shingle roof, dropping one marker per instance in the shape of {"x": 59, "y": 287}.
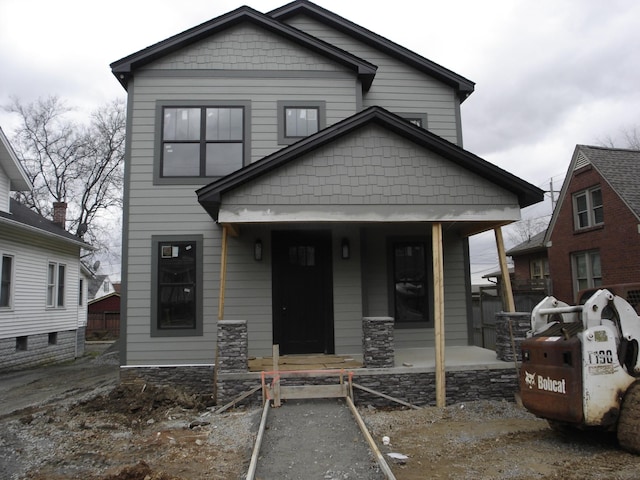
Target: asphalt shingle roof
{"x": 621, "y": 169}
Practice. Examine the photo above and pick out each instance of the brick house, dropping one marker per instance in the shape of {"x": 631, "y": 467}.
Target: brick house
{"x": 294, "y": 175}
{"x": 594, "y": 234}
{"x": 530, "y": 264}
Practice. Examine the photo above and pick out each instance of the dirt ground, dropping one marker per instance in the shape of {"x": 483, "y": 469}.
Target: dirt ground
{"x": 137, "y": 432}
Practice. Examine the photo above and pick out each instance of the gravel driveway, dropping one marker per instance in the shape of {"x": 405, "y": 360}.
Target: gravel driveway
{"x": 315, "y": 439}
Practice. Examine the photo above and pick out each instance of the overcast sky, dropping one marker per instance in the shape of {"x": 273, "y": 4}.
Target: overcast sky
{"x": 549, "y": 74}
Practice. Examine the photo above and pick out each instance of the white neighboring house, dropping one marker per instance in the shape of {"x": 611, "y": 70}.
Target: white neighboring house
{"x": 100, "y": 286}
{"x": 43, "y": 294}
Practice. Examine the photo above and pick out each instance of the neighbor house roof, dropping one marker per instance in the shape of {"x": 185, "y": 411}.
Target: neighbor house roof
{"x": 11, "y": 165}
{"x": 123, "y": 68}
{"x": 619, "y": 167}
{"x": 23, "y": 217}
{"x": 210, "y": 196}
{"x": 463, "y": 86}
{"x": 534, "y": 244}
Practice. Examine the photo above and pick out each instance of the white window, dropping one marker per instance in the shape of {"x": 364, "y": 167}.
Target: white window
{"x": 587, "y": 208}
{"x": 55, "y": 284}
{"x": 539, "y": 268}
{"x": 586, "y": 270}
{"x": 6, "y": 281}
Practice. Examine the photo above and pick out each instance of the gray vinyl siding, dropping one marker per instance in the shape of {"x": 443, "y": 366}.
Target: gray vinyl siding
{"x": 397, "y": 86}
{"x": 29, "y": 314}
{"x": 193, "y": 75}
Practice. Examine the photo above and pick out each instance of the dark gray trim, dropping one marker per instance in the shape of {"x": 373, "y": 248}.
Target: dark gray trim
{"x": 157, "y": 142}
{"x": 468, "y": 290}
{"x": 126, "y": 195}
{"x": 210, "y": 196}
{"x": 321, "y": 105}
{"x": 153, "y": 324}
{"x": 413, "y": 115}
{"x": 459, "y": 141}
{"x": 428, "y": 251}
{"x": 463, "y": 86}
{"x": 124, "y": 68}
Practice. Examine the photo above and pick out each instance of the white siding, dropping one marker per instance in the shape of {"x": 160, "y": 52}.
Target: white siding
{"x": 5, "y": 190}
{"x": 29, "y": 314}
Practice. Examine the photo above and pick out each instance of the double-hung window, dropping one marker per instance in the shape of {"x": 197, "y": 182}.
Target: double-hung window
{"x": 177, "y": 286}
{"x": 6, "y": 281}
{"x": 587, "y": 208}
{"x": 586, "y": 270}
{"x": 56, "y": 277}
{"x": 202, "y": 141}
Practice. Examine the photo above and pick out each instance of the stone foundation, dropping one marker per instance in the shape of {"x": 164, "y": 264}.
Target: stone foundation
{"x": 233, "y": 346}
{"x": 520, "y": 325}
{"x": 195, "y": 380}
{"x": 377, "y": 342}
{"x": 41, "y": 349}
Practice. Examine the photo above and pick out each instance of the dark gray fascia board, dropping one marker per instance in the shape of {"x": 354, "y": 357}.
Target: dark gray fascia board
{"x": 123, "y": 69}
{"x": 210, "y": 196}
{"x": 463, "y": 86}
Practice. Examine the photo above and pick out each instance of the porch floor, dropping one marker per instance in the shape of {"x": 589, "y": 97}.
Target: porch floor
{"x": 456, "y": 358}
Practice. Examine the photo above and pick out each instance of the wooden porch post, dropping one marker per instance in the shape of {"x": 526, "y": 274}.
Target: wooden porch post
{"x": 223, "y": 272}
{"x": 504, "y": 269}
{"x": 438, "y": 311}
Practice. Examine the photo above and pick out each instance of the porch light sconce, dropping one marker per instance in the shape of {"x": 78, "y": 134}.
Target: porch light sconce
{"x": 344, "y": 249}
{"x": 257, "y": 250}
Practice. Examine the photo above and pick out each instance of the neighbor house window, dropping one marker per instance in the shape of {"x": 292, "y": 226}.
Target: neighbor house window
{"x": 6, "y": 281}
{"x": 586, "y": 270}
{"x": 202, "y": 141}
{"x": 177, "y": 291}
{"x": 539, "y": 268}
{"x": 55, "y": 284}
{"x": 81, "y": 292}
{"x": 297, "y": 120}
{"x": 587, "y": 208}
{"x": 410, "y": 282}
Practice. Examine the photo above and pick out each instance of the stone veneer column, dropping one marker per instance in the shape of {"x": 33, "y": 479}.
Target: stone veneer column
{"x": 232, "y": 346}
{"x": 377, "y": 342}
{"x": 520, "y": 325}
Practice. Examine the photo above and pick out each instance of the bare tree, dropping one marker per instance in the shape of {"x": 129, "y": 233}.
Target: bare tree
{"x": 525, "y": 229}
{"x": 79, "y": 164}
{"x": 630, "y": 139}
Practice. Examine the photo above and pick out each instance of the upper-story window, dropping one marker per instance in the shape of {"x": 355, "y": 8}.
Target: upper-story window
{"x": 587, "y": 208}
{"x": 201, "y": 140}
{"x": 297, "y": 120}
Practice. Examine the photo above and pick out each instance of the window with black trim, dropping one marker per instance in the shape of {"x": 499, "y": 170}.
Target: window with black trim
{"x": 6, "y": 281}
{"x": 202, "y": 141}
{"x": 299, "y": 119}
{"x": 177, "y": 280}
{"x": 587, "y": 208}
{"x": 409, "y": 260}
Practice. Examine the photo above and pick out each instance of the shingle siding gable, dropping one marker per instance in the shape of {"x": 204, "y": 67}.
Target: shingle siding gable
{"x": 369, "y": 167}
{"x": 245, "y": 47}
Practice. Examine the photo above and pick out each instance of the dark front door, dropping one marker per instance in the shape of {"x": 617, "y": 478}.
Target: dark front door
{"x": 302, "y": 292}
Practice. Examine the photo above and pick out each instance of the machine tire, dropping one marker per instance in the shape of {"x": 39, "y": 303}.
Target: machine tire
{"x": 629, "y": 420}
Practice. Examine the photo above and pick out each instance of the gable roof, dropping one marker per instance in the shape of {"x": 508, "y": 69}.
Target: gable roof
{"x": 11, "y": 165}
{"x": 123, "y": 69}
{"x": 532, "y": 245}
{"x": 210, "y": 196}
{"x": 24, "y": 217}
{"x": 463, "y": 86}
{"x": 619, "y": 167}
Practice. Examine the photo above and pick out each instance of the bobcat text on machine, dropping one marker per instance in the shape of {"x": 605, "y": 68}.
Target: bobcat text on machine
{"x": 581, "y": 368}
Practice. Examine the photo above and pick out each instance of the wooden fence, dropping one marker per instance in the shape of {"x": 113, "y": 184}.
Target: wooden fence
{"x": 103, "y": 325}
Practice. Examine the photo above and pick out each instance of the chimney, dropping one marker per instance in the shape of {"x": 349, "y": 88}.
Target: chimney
{"x": 60, "y": 214}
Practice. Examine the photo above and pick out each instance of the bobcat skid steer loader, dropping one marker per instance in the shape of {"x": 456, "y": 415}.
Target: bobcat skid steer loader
{"x": 581, "y": 367}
